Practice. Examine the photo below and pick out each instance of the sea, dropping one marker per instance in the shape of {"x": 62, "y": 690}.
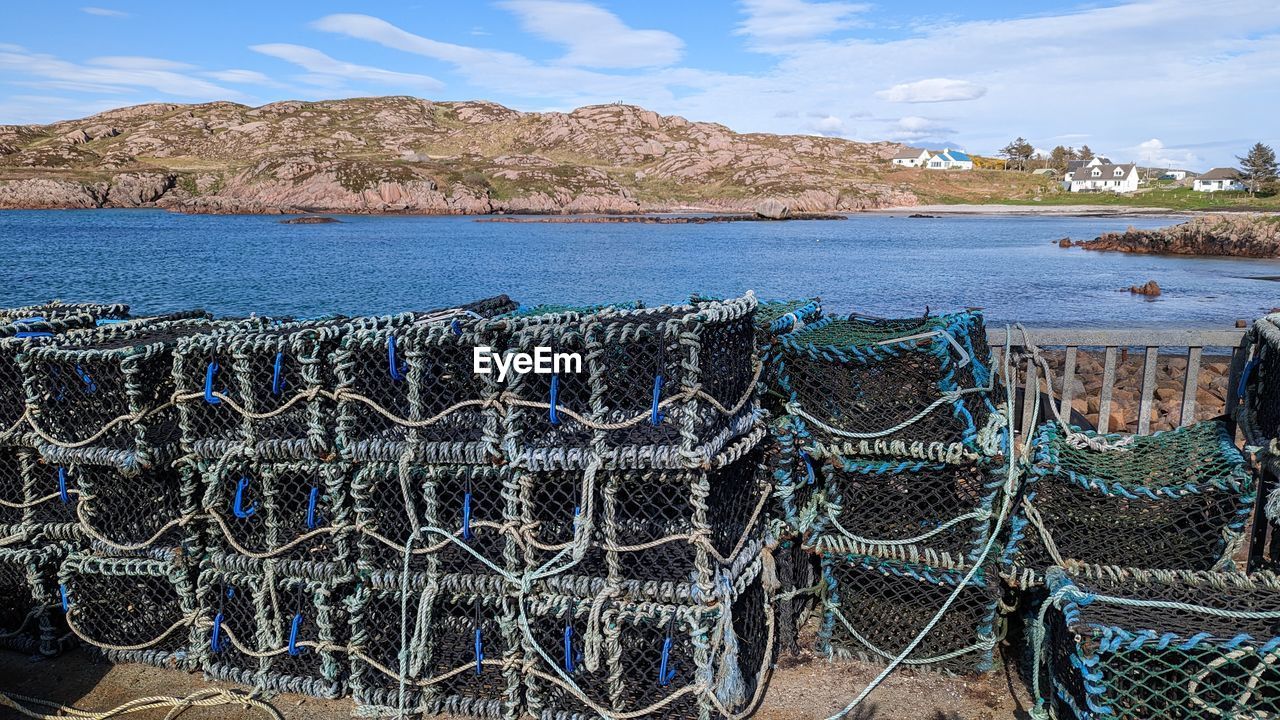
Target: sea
{"x": 880, "y": 264}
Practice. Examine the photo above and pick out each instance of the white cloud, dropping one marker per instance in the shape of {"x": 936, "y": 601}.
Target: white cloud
{"x": 828, "y": 125}
{"x": 103, "y": 12}
{"x": 914, "y": 128}
{"x": 134, "y": 62}
{"x": 933, "y": 90}
{"x": 107, "y": 75}
{"x": 331, "y": 72}
{"x": 769, "y": 22}
{"x": 1154, "y": 153}
{"x": 242, "y": 77}
{"x": 594, "y": 36}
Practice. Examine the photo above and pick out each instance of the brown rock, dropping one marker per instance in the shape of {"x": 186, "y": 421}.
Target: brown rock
{"x": 773, "y": 209}
{"x": 1150, "y": 289}
{"x": 1064, "y": 242}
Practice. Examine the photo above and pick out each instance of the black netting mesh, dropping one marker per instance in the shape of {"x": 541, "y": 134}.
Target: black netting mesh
{"x": 14, "y": 466}
{"x": 945, "y": 510}
{"x": 15, "y": 338}
{"x": 473, "y": 504}
{"x": 134, "y": 609}
{"x": 421, "y": 374}
{"x": 284, "y": 509}
{"x": 30, "y": 615}
{"x": 798, "y": 570}
{"x": 875, "y": 607}
{"x": 462, "y": 643}
{"x": 254, "y": 605}
{"x": 1178, "y": 499}
{"x": 56, "y": 309}
{"x": 1262, "y": 384}
{"x": 51, "y": 492}
{"x": 1146, "y": 662}
{"x": 143, "y": 508}
{"x": 859, "y": 381}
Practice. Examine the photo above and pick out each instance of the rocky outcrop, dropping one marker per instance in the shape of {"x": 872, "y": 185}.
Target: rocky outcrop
{"x": 773, "y": 209}
{"x": 1240, "y": 235}
{"x": 1150, "y": 289}
{"x": 401, "y": 154}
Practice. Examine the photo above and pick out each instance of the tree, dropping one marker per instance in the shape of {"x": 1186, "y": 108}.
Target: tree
{"x": 1258, "y": 167}
{"x": 1017, "y": 153}
{"x": 1085, "y": 153}
{"x": 1058, "y": 158}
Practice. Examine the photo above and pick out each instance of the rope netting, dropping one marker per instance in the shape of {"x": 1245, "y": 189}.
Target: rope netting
{"x": 58, "y": 310}
{"x": 1169, "y": 644}
{"x": 1178, "y": 499}
{"x": 14, "y": 338}
{"x": 28, "y": 594}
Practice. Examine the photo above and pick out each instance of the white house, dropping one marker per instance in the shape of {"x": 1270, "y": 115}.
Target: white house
{"x": 1173, "y": 175}
{"x": 1218, "y": 179}
{"x": 1074, "y": 166}
{"x": 949, "y": 159}
{"x": 911, "y": 157}
{"x": 1105, "y": 178}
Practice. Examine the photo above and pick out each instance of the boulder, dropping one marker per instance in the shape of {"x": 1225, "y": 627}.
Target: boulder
{"x": 1150, "y": 289}
{"x": 773, "y": 209}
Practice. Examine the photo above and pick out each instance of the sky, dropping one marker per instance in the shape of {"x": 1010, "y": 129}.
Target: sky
{"x": 1170, "y": 83}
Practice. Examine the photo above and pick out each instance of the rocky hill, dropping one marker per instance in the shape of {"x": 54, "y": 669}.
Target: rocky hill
{"x": 1240, "y": 235}
{"x": 402, "y": 154}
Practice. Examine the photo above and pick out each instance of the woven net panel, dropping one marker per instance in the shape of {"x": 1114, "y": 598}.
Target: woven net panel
{"x": 774, "y": 319}
{"x": 210, "y": 427}
{"x": 134, "y": 609}
{"x": 51, "y": 492}
{"x": 288, "y": 509}
{"x": 473, "y": 504}
{"x": 418, "y": 374}
{"x": 13, "y": 467}
{"x": 260, "y": 607}
{"x": 888, "y": 603}
{"x": 491, "y": 306}
{"x": 892, "y": 501}
{"x": 795, "y": 474}
{"x": 1168, "y": 662}
{"x": 448, "y": 668}
{"x": 552, "y": 512}
{"x": 797, "y": 569}
{"x": 137, "y": 509}
{"x": 877, "y": 381}
{"x": 1262, "y": 389}
{"x": 1176, "y": 499}
{"x": 22, "y": 605}
{"x": 59, "y": 310}
{"x": 538, "y": 432}
{"x": 12, "y": 397}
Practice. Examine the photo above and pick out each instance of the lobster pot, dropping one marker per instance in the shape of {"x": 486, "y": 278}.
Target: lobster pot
{"x": 795, "y": 478}
{"x": 919, "y": 388}
{"x": 13, "y": 490}
{"x": 773, "y": 320}
{"x": 413, "y": 390}
{"x": 31, "y": 620}
{"x": 489, "y": 307}
{"x": 124, "y": 509}
{"x": 875, "y": 607}
{"x": 38, "y": 498}
{"x": 665, "y": 387}
{"x": 1178, "y": 499}
{"x": 463, "y": 513}
{"x": 1106, "y": 659}
{"x": 133, "y": 609}
{"x": 269, "y": 606}
{"x": 284, "y": 509}
{"x": 15, "y": 337}
{"x": 1260, "y": 416}
{"x": 647, "y": 658}
{"x": 57, "y": 310}
{"x": 104, "y": 396}
{"x": 463, "y": 647}
{"x": 660, "y": 535}
{"x": 797, "y": 570}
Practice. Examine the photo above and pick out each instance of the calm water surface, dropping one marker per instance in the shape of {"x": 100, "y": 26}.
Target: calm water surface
{"x": 879, "y": 264}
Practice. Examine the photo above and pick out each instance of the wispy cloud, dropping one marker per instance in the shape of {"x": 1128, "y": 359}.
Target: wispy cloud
{"x": 108, "y": 74}
{"x": 242, "y": 77}
{"x": 770, "y": 23}
{"x": 104, "y": 12}
{"x": 326, "y": 70}
{"x": 933, "y": 90}
{"x": 594, "y": 36}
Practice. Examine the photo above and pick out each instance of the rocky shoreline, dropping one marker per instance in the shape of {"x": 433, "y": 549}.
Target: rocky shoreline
{"x": 657, "y": 219}
{"x": 1237, "y": 235}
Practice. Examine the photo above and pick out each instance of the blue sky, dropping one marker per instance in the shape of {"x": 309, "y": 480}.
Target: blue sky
{"x": 1187, "y": 83}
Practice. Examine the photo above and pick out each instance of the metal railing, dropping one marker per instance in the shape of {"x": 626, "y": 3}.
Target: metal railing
{"x": 1152, "y": 344}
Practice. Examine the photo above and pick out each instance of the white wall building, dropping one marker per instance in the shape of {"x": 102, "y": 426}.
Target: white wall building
{"x": 1105, "y": 178}
{"x": 949, "y": 159}
{"x": 911, "y": 157}
{"x": 1218, "y": 179}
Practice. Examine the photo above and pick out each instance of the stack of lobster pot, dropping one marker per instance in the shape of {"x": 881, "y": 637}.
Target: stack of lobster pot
{"x": 891, "y": 471}
{"x": 576, "y": 541}
{"x": 277, "y": 523}
{"x": 100, "y": 417}
{"x": 30, "y": 498}
{"x": 1259, "y": 417}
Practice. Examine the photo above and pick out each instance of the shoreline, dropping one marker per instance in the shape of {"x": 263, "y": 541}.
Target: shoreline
{"x": 1004, "y": 210}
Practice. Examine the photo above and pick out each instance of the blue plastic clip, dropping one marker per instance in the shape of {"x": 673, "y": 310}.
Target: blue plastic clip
{"x": 25, "y": 320}
{"x": 293, "y": 635}
{"x": 62, "y": 485}
{"x": 217, "y": 643}
{"x": 665, "y": 676}
{"x": 1244, "y": 376}
{"x": 568, "y": 648}
{"x": 456, "y": 327}
{"x": 209, "y": 372}
{"x": 466, "y": 516}
{"x": 62, "y": 592}
{"x": 238, "y": 506}
{"x": 394, "y": 366}
{"x": 479, "y": 651}
{"x": 31, "y": 334}
{"x": 553, "y": 415}
{"x": 655, "y": 415}
{"x": 277, "y": 382}
{"x": 311, "y": 508}
{"x": 90, "y": 386}
{"x": 808, "y": 465}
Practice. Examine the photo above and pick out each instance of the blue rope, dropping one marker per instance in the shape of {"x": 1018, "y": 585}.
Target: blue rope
{"x": 238, "y": 506}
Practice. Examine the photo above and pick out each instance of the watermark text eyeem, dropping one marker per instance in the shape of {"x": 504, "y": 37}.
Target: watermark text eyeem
{"x": 542, "y": 361}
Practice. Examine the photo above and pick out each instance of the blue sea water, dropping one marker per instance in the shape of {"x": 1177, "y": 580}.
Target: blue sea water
{"x": 879, "y": 264}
